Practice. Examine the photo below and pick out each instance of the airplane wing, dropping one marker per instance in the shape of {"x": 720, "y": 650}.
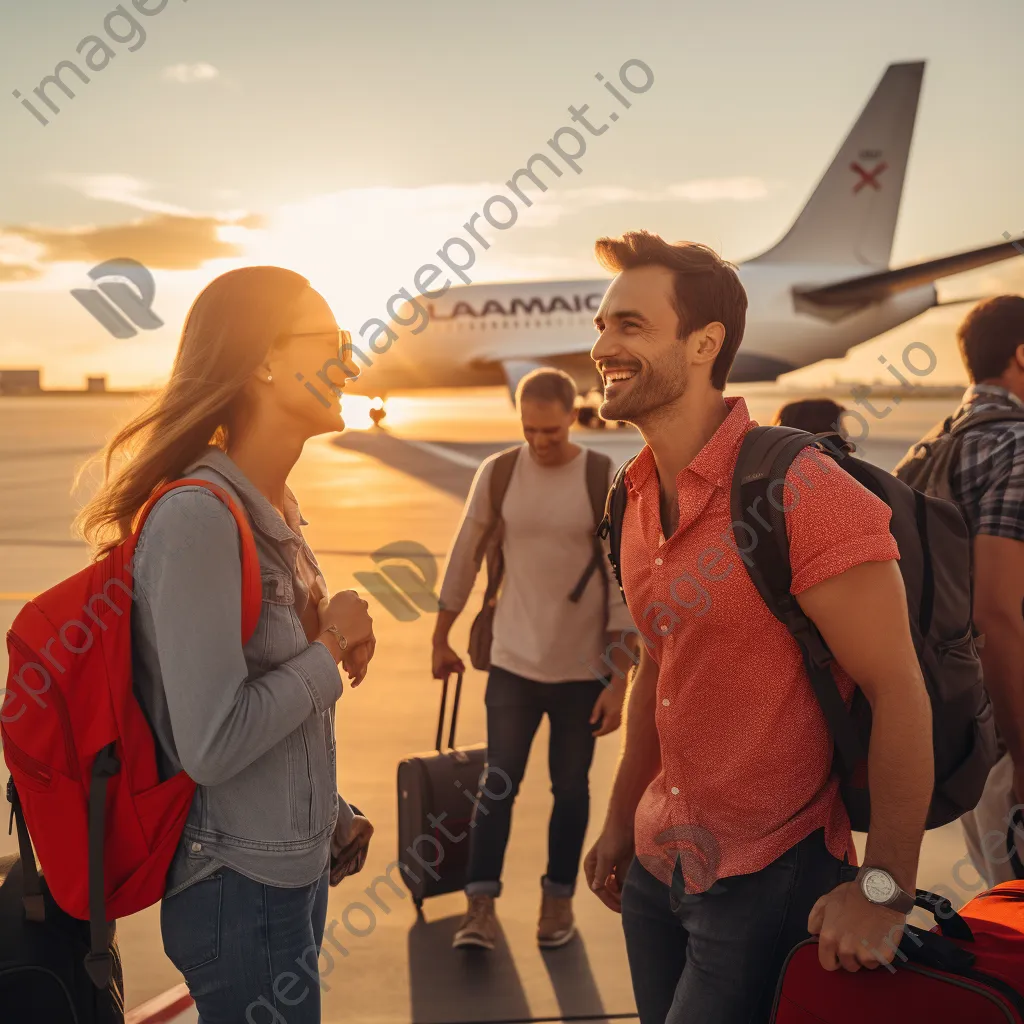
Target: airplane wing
{"x": 571, "y": 356}
{"x": 880, "y": 286}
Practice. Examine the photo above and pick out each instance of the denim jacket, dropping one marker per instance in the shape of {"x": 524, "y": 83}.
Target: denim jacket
{"x": 252, "y": 725}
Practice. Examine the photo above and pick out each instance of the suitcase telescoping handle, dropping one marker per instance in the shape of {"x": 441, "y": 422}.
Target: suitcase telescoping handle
{"x": 455, "y": 713}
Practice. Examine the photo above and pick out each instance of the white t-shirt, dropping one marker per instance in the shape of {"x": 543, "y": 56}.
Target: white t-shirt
{"x": 548, "y": 542}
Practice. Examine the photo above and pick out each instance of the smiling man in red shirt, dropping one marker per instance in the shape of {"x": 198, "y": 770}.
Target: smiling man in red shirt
{"x": 726, "y": 762}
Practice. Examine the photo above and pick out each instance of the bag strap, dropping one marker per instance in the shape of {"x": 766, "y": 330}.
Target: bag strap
{"x": 980, "y": 419}
{"x": 97, "y": 961}
{"x": 597, "y": 490}
{"x": 490, "y": 543}
{"x": 32, "y": 889}
{"x": 611, "y": 522}
{"x": 763, "y": 461}
{"x": 252, "y": 588}
{"x": 1013, "y": 854}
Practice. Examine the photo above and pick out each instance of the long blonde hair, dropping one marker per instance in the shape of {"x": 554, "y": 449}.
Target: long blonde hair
{"x": 232, "y": 325}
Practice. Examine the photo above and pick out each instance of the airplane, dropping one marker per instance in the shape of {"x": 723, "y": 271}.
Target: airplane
{"x": 825, "y": 287}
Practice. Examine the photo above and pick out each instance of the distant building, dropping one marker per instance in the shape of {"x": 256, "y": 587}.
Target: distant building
{"x": 20, "y": 382}
{"x": 95, "y": 383}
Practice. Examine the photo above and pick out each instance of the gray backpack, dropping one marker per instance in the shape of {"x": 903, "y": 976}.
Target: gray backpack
{"x": 928, "y": 466}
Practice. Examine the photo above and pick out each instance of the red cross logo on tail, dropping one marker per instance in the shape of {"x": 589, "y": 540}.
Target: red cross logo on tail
{"x": 867, "y": 177}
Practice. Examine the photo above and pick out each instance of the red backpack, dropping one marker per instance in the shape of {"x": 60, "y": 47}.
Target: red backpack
{"x": 84, "y": 781}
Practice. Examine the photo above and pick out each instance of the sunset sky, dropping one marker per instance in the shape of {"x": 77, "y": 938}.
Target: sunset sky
{"x": 349, "y": 141}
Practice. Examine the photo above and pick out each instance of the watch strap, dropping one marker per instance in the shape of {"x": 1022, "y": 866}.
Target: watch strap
{"x": 902, "y": 901}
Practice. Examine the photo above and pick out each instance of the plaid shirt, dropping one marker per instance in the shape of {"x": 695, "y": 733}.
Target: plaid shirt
{"x": 988, "y": 480}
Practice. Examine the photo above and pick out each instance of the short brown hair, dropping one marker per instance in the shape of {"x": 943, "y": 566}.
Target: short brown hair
{"x": 989, "y": 336}
{"x": 817, "y": 415}
{"x": 546, "y": 384}
{"x": 707, "y": 288}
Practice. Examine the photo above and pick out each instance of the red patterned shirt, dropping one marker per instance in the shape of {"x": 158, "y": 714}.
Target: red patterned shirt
{"x": 745, "y": 752}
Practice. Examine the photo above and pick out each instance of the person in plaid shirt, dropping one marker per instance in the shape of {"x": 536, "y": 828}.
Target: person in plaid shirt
{"x": 987, "y": 481}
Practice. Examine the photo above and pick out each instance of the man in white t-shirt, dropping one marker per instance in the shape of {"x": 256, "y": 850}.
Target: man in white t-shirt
{"x": 551, "y": 654}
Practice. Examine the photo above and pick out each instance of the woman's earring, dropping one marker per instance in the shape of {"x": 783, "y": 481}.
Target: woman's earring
{"x": 270, "y": 377}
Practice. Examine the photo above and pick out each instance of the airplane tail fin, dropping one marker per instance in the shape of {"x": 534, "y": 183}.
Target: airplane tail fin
{"x": 850, "y": 218}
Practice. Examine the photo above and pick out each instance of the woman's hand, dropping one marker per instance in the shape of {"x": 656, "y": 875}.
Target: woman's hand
{"x": 349, "y": 848}
{"x": 348, "y": 611}
{"x": 356, "y": 660}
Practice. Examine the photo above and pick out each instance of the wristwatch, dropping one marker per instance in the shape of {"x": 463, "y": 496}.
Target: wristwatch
{"x": 336, "y": 633}
{"x": 879, "y": 887}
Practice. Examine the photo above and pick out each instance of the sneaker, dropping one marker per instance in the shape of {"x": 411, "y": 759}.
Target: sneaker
{"x": 479, "y": 928}
{"x": 557, "y": 925}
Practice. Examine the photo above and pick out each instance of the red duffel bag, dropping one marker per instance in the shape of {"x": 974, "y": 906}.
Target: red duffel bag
{"x": 969, "y": 970}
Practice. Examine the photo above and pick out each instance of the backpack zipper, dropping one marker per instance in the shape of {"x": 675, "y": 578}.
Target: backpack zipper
{"x": 58, "y": 703}
{"x": 28, "y": 764}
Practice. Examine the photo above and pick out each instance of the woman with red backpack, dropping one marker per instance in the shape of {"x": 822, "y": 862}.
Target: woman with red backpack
{"x": 246, "y": 713}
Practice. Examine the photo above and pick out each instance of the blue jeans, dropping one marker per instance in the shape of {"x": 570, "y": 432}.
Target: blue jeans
{"x": 515, "y": 707}
{"x": 718, "y": 956}
{"x": 249, "y": 952}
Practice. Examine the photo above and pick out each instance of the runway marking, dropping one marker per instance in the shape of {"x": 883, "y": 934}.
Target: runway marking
{"x": 446, "y": 453}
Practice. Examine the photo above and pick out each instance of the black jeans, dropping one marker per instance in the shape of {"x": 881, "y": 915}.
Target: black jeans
{"x": 718, "y": 956}
{"x": 515, "y": 707}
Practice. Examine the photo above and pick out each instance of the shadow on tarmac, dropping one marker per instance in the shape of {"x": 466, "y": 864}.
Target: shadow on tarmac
{"x": 469, "y": 986}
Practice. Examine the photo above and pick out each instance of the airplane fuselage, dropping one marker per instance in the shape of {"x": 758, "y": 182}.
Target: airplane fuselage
{"x": 463, "y": 337}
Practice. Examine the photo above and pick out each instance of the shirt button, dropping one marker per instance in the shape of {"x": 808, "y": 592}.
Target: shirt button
{"x": 675, "y": 792}
{"x": 657, "y": 561}
{"x": 196, "y": 847}
{"x": 664, "y": 628}
{"x": 665, "y": 702}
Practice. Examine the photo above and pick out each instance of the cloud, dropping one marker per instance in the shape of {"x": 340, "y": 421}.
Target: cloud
{"x": 698, "y": 190}
{"x": 165, "y": 242}
{"x": 709, "y": 190}
{"x": 187, "y": 74}
{"x": 119, "y": 188}
{"x": 18, "y": 272}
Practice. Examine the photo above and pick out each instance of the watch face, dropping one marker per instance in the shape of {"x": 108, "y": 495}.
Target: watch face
{"x": 878, "y": 886}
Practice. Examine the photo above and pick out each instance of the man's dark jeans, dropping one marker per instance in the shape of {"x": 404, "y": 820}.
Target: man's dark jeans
{"x": 515, "y": 707}
{"x": 718, "y": 956}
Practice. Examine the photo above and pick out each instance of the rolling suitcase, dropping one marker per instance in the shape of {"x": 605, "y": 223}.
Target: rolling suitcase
{"x": 971, "y": 972}
{"x": 437, "y": 793}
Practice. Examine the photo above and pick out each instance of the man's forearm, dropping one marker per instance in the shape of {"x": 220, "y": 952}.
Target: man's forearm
{"x": 623, "y": 660}
{"x": 442, "y": 626}
{"x": 641, "y": 752}
{"x": 901, "y": 779}
{"x": 1002, "y": 660}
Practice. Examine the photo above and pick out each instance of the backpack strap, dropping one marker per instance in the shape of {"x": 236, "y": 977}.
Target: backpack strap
{"x": 252, "y": 592}
{"x": 611, "y": 522}
{"x": 763, "y": 462}
{"x": 97, "y": 961}
{"x": 979, "y": 419}
{"x": 490, "y": 543}
{"x": 32, "y": 890}
{"x": 597, "y": 490}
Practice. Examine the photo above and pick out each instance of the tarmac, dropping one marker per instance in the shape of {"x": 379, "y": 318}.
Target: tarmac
{"x": 361, "y": 491}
